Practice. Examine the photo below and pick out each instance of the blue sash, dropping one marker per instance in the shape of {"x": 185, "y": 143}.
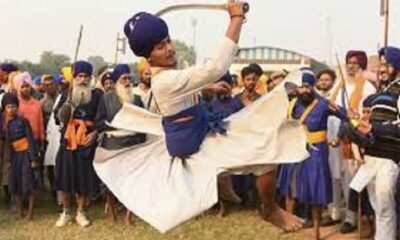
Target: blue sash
{"x": 185, "y": 138}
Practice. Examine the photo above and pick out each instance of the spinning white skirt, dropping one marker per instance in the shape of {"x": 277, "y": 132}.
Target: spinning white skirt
{"x": 142, "y": 178}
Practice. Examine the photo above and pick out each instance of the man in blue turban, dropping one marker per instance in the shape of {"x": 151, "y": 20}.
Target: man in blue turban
{"x": 186, "y": 126}
{"x": 76, "y": 112}
{"x": 298, "y": 182}
{"x": 390, "y": 58}
{"x": 148, "y": 37}
{"x": 123, "y": 85}
{"x": 8, "y": 67}
{"x": 5, "y": 70}
{"x": 5, "y": 162}
{"x": 114, "y": 99}
{"x": 381, "y": 153}
{"x": 82, "y": 67}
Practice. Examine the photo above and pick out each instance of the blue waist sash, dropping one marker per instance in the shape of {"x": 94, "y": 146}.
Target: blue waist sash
{"x": 185, "y": 138}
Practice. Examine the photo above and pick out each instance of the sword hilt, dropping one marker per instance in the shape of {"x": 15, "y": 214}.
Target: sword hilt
{"x": 246, "y": 7}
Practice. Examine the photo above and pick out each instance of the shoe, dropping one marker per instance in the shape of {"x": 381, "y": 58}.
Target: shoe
{"x": 82, "y": 220}
{"x": 347, "y": 228}
{"x": 326, "y": 222}
{"x": 63, "y": 219}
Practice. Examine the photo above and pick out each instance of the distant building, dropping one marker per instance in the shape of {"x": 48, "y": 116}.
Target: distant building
{"x": 273, "y": 59}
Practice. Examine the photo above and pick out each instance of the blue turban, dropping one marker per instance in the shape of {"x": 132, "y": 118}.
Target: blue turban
{"x": 368, "y": 102}
{"x": 9, "y": 98}
{"x": 8, "y": 67}
{"x": 144, "y": 31}
{"x": 392, "y": 55}
{"x": 82, "y": 67}
{"x": 37, "y": 80}
{"x": 308, "y": 76}
{"x": 58, "y": 78}
{"x": 119, "y": 70}
{"x": 227, "y": 77}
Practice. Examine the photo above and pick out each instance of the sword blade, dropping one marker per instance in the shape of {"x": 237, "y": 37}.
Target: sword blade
{"x": 190, "y": 7}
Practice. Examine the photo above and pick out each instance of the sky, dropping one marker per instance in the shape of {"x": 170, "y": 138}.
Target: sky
{"x": 317, "y": 28}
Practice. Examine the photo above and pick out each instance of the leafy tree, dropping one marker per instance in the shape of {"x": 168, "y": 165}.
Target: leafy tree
{"x": 97, "y": 62}
{"x": 32, "y": 68}
{"x": 186, "y": 55}
{"x": 52, "y": 63}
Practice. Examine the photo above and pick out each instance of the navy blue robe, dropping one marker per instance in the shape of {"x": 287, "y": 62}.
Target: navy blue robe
{"x": 74, "y": 168}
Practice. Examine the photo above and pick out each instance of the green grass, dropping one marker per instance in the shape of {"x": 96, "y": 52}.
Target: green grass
{"x": 238, "y": 224}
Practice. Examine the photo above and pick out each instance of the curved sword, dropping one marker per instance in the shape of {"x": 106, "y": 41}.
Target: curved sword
{"x": 179, "y": 7}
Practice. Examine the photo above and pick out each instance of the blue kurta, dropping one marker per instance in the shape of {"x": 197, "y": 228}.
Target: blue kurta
{"x": 311, "y": 178}
{"x": 23, "y": 178}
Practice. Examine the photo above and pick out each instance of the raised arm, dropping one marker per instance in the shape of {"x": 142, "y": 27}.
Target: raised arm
{"x": 236, "y": 14}
{"x": 195, "y": 78}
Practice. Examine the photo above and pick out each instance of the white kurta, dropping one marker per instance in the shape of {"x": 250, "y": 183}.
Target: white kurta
{"x": 175, "y": 90}
{"x": 381, "y": 192}
{"x": 335, "y": 162}
{"x": 53, "y": 137}
{"x": 165, "y": 195}
{"x": 347, "y": 169}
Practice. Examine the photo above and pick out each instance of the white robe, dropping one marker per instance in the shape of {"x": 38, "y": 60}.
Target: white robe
{"x": 165, "y": 195}
{"x": 53, "y": 138}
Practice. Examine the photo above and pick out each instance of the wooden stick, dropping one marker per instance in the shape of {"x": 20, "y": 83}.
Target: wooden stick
{"x": 116, "y": 50}
{"x": 343, "y": 79}
{"x": 359, "y": 216}
{"x": 78, "y": 45}
{"x": 386, "y": 29}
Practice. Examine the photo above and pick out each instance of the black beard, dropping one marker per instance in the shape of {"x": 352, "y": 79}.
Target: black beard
{"x": 387, "y": 82}
{"x": 306, "y": 98}
{"x": 147, "y": 83}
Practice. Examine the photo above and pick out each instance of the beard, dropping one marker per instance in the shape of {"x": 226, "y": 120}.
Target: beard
{"x": 81, "y": 94}
{"x": 146, "y": 82}
{"x": 307, "y": 98}
{"x": 124, "y": 92}
{"x": 393, "y": 76}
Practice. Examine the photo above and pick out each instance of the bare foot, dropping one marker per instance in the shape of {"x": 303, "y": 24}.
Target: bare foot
{"x": 109, "y": 209}
{"x": 128, "y": 222}
{"x": 221, "y": 209}
{"x": 19, "y": 214}
{"x": 111, "y": 218}
{"x": 366, "y": 229}
{"x": 317, "y": 237}
{"x": 281, "y": 219}
{"x": 29, "y": 218}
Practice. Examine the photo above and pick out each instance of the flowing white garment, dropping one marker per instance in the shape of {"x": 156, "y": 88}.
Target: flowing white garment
{"x": 166, "y": 195}
{"x": 53, "y": 138}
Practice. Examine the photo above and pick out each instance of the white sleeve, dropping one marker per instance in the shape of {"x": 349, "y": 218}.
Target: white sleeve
{"x": 193, "y": 79}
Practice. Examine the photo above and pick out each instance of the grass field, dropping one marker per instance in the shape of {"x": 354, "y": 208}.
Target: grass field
{"x": 238, "y": 224}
